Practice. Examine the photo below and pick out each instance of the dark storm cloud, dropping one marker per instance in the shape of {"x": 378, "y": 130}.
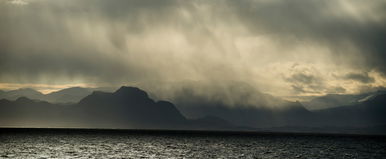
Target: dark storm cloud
{"x": 303, "y": 78}
{"x": 337, "y": 90}
{"x": 229, "y": 93}
{"x": 372, "y": 89}
{"x": 360, "y": 77}
{"x": 55, "y": 40}
{"x": 305, "y": 83}
{"x": 151, "y": 41}
{"x": 39, "y": 41}
{"x": 322, "y": 22}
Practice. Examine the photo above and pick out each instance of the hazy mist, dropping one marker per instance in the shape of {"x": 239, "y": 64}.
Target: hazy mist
{"x": 294, "y": 48}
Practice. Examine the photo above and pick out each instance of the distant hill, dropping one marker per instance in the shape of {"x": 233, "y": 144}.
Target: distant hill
{"x": 371, "y": 112}
{"x": 68, "y": 95}
{"x": 249, "y": 108}
{"x": 23, "y": 92}
{"x": 335, "y": 100}
{"x": 250, "y": 116}
{"x": 365, "y": 114}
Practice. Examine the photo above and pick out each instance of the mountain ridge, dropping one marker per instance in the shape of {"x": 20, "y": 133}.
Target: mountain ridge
{"x": 131, "y": 107}
{"x": 128, "y": 107}
{"x": 63, "y": 96}
{"x": 335, "y": 100}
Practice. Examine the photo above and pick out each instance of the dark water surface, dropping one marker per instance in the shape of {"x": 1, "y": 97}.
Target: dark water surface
{"x": 95, "y": 144}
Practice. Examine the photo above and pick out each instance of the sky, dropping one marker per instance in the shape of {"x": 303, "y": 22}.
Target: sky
{"x": 284, "y": 48}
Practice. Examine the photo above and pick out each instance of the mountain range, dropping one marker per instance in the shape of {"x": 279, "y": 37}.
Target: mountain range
{"x": 132, "y": 108}
{"x": 335, "y": 100}
{"x": 126, "y": 108}
{"x": 68, "y": 95}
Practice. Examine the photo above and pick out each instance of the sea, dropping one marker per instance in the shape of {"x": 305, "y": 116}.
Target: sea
{"x": 120, "y": 144}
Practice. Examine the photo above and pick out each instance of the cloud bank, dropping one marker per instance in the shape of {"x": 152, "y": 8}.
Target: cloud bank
{"x": 285, "y": 48}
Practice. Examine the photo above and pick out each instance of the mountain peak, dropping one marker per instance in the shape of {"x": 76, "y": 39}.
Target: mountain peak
{"x": 131, "y": 91}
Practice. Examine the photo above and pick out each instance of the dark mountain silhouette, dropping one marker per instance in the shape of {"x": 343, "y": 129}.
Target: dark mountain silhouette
{"x": 128, "y": 107}
{"x": 370, "y": 112}
{"x": 68, "y": 95}
{"x": 248, "y": 107}
{"x": 248, "y": 116}
{"x": 132, "y": 106}
{"x": 365, "y": 116}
